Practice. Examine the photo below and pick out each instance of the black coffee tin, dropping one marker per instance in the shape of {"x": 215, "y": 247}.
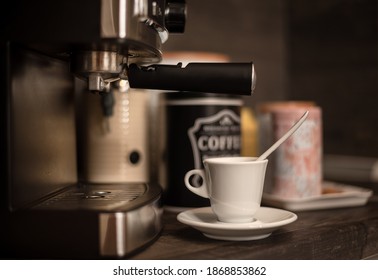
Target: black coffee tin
{"x": 198, "y": 126}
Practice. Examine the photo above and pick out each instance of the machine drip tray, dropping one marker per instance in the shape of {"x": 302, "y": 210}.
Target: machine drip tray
{"x": 99, "y": 197}
{"x": 89, "y": 221}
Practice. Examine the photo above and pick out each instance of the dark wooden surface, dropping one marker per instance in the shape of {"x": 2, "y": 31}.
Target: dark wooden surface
{"x": 346, "y": 233}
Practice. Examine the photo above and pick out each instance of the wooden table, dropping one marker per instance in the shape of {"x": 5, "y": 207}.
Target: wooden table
{"x": 347, "y": 233}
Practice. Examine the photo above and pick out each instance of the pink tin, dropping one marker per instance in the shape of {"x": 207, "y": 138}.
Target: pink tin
{"x": 298, "y": 161}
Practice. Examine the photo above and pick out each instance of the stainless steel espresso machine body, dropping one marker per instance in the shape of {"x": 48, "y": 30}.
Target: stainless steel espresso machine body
{"x": 47, "y": 211}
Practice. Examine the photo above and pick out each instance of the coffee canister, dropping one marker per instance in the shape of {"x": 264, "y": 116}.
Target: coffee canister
{"x": 198, "y": 126}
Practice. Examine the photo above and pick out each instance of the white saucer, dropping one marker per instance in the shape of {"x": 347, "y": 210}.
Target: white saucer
{"x": 267, "y": 220}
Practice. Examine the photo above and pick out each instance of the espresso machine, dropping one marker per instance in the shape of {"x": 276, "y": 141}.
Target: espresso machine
{"x": 48, "y": 50}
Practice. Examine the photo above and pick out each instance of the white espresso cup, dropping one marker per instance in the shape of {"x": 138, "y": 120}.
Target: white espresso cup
{"x": 234, "y": 186}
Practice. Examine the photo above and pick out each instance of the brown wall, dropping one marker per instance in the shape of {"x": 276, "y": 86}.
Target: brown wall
{"x": 333, "y": 60}
{"x": 324, "y": 50}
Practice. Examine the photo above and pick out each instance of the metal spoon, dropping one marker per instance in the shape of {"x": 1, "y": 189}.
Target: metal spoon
{"x": 283, "y": 138}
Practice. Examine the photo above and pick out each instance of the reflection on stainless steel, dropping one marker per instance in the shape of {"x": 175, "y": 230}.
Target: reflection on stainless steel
{"x": 123, "y": 232}
{"x": 132, "y": 20}
{"x": 99, "y": 67}
{"x": 42, "y": 144}
{"x": 253, "y": 79}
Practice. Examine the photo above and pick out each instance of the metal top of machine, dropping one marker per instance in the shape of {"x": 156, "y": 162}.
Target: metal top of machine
{"x": 134, "y": 28}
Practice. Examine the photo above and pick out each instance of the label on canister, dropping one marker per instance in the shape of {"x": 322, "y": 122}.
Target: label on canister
{"x": 197, "y": 128}
{"x": 298, "y": 161}
{"x": 266, "y": 135}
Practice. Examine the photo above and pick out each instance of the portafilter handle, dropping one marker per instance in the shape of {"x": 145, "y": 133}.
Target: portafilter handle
{"x": 227, "y": 78}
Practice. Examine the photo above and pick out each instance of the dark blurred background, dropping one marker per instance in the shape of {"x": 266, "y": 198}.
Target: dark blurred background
{"x": 323, "y": 50}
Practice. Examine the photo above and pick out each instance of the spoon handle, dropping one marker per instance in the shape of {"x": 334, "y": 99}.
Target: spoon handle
{"x": 283, "y": 138}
